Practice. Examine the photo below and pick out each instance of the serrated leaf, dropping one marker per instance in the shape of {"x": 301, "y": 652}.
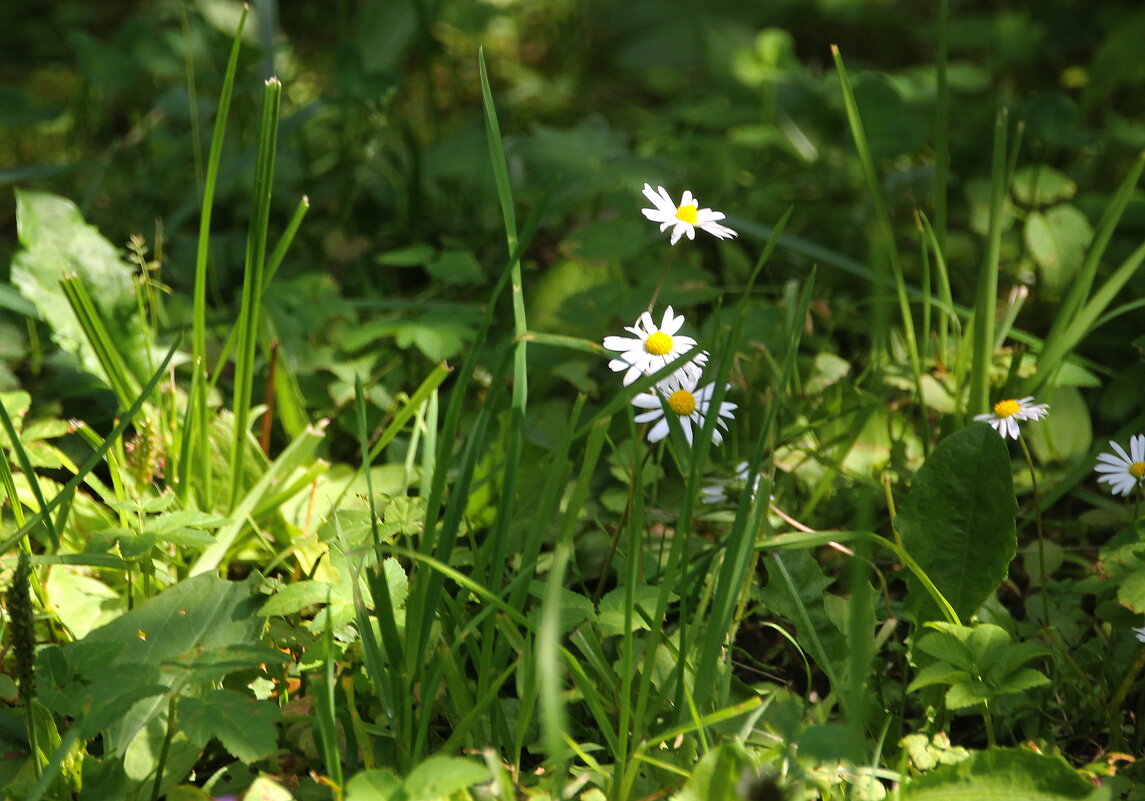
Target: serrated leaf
{"x": 967, "y": 693}
{"x": 1004, "y": 774}
{"x": 202, "y": 612}
{"x": 958, "y": 521}
{"x": 439, "y": 777}
{"x": 244, "y": 725}
{"x": 1024, "y": 679}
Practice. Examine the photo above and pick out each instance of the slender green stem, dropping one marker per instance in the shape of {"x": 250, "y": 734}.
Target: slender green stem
{"x": 165, "y": 749}
{"x": 663, "y": 279}
{"x": 988, "y": 720}
{"x": 1041, "y": 533}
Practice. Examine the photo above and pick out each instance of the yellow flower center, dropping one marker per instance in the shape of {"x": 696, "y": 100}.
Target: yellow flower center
{"x": 658, "y": 344}
{"x": 1137, "y": 470}
{"x": 1006, "y": 408}
{"x": 687, "y": 214}
{"x": 682, "y": 402}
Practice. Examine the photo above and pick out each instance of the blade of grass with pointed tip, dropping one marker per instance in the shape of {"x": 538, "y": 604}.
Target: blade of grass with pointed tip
{"x": 253, "y": 271}
{"x": 195, "y": 447}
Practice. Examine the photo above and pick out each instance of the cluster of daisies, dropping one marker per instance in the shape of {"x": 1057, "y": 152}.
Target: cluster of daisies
{"x": 652, "y": 348}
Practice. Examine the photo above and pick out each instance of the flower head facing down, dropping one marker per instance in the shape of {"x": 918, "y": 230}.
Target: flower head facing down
{"x": 684, "y": 218}
{"x": 653, "y": 348}
{"x": 1123, "y": 472}
{"x": 1008, "y": 413}
{"x": 690, "y": 405}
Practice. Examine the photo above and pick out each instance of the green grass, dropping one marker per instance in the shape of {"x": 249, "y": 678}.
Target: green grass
{"x": 329, "y": 492}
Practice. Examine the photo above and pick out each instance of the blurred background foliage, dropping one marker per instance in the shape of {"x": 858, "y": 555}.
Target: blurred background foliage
{"x": 111, "y": 104}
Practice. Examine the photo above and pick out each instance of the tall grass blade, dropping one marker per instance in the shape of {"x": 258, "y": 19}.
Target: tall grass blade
{"x": 195, "y": 448}
{"x": 253, "y": 272}
{"x": 986, "y": 298}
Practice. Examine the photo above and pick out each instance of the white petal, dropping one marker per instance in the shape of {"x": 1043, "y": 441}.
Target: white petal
{"x": 686, "y": 422}
{"x": 646, "y": 400}
{"x": 659, "y": 431}
{"x": 1137, "y": 447}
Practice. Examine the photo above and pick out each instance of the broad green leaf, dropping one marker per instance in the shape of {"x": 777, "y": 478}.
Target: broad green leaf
{"x": 374, "y": 785}
{"x": 611, "y": 617}
{"x": 202, "y": 667}
{"x": 410, "y": 256}
{"x": 967, "y": 693}
{"x": 1024, "y": 679}
{"x": 55, "y": 241}
{"x": 439, "y": 777}
{"x": 613, "y": 240}
{"x": 938, "y": 673}
{"x": 297, "y": 596}
{"x": 1067, "y": 432}
{"x": 1040, "y": 185}
{"x": 244, "y": 725}
{"x": 202, "y": 612}
{"x": 459, "y": 267}
{"x": 265, "y": 788}
{"x": 1004, "y": 774}
{"x": 958, "y": 521}
{"x": 79, "y": 601}
{"x": 1058, "y": 239}
{"x": 830, "y": 742}
{"x": 574, "y": 610}
{"x": 717, "y": 775}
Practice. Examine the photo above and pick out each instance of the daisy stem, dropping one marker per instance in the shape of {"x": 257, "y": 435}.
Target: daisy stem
{"x": 663, "y": 278}
{"x": 1041, "y": 535}
{"x": 988, "y": 719}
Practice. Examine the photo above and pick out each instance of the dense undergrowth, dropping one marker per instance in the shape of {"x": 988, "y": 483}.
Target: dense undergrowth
{"x": 330, "y": 469}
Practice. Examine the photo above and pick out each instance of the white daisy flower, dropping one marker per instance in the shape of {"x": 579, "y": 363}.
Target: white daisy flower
{"x": 1140, "y": 632}
{"x": 689, "y": 404}
{"x": 684, "y": 218}
{"x": 654, "y": 348}
{"x": 1125, "y": 471}
{"x": 717, "y": 491}
{"x": 1007, "y": 413}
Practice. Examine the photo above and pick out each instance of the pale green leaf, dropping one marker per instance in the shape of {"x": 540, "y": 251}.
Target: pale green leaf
{"x": 1004, "y": 774}
{"x": 439, "y": 777}
{"x": 1040, "y": 185}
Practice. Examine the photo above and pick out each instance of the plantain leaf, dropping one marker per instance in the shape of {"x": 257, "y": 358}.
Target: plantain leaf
{"x": 958, "y": 521}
